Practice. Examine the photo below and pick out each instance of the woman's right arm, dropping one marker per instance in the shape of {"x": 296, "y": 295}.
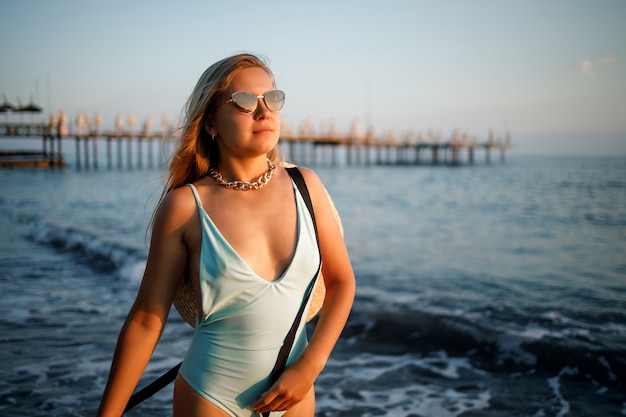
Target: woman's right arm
{"x": 167, "y": 260}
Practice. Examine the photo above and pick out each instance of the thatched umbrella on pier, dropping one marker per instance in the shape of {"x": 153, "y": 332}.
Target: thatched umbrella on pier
{"x": 6, "y": 107}
{"x": 31, "y": 108}
{"x": 97, "y": 120}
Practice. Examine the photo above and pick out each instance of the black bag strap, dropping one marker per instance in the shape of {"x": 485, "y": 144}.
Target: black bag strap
{"x": 154, "y": 387}
{"x": 298, "y": 179}
{"x": 285, "y": 350}
{"x": 283, "y": 354}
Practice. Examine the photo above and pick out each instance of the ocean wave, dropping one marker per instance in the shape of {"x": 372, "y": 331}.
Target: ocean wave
{"x": 398, "y": 331}
{"x": 126, "y": 260}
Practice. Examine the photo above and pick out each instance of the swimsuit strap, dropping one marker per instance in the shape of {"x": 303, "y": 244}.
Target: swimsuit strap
{"x": 195, "y": 194}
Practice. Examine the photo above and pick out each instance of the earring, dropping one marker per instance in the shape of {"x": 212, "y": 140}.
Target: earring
{"x": 213, "y": 138}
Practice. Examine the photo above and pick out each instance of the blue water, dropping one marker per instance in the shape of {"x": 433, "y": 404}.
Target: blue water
{"x": 483, "y": 290}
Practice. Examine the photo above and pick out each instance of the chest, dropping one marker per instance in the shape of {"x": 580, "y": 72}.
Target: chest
{"x": 263, "y": 234}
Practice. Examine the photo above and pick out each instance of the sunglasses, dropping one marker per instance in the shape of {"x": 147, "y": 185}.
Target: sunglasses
{"x": 248, "y": 102}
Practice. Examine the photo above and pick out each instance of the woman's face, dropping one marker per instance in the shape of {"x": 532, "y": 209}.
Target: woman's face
{"x": 247, "y": 135}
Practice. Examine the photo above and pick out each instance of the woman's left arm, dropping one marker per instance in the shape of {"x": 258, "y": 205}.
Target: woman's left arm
{"x": 340, "y": 283}
{"x": 338, "y": 277}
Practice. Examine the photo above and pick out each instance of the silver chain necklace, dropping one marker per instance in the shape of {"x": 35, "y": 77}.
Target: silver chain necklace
{"x": 245, "y": 185}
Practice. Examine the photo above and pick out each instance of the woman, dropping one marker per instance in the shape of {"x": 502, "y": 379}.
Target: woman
{"x": 249, "y": 249}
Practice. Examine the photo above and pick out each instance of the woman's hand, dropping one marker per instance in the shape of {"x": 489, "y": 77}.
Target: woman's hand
{"x": 291, "y": 388}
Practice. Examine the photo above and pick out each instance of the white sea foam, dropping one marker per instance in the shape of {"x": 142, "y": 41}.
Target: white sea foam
{"x": 411, "y": 398}
{"x": 555, "y": 384}
{"x": 607, "y": 365}
{"x": 420, "y": 399}
{"x": 438, "y": 363}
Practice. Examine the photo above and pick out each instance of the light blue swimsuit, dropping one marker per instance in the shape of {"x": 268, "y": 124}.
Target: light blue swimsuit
{"x": 245, "y": 318}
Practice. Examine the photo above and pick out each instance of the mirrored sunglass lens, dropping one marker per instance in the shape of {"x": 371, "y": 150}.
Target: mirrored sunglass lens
{"x": 245, "y": 101}
{"x": 274, "y": 100}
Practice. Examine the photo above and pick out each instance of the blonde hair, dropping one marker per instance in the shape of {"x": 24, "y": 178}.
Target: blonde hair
{"x": 197, "y": 152}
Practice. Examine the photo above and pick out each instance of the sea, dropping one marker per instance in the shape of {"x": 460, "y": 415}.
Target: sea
{"x": 491, "y": 289}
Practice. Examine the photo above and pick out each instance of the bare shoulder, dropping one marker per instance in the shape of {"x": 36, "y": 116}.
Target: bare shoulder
{"x": 312, "y": 180}
{"x": 179, "y": 200}
{"x": 319, "y": 195}
{"x": 176, "y": 208}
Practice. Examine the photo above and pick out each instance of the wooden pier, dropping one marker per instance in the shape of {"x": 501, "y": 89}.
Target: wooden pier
{"x": 371, "y": 151}
{"x": 129, "y": 149}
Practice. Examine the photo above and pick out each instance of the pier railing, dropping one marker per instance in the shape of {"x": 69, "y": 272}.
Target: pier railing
{"x": 123, "y": 148}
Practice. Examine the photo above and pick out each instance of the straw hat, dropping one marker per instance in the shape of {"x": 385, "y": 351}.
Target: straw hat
{"x": 185, "y": 302}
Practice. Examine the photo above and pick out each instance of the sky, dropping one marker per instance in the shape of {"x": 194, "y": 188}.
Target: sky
{"x": 550, "y": 73}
